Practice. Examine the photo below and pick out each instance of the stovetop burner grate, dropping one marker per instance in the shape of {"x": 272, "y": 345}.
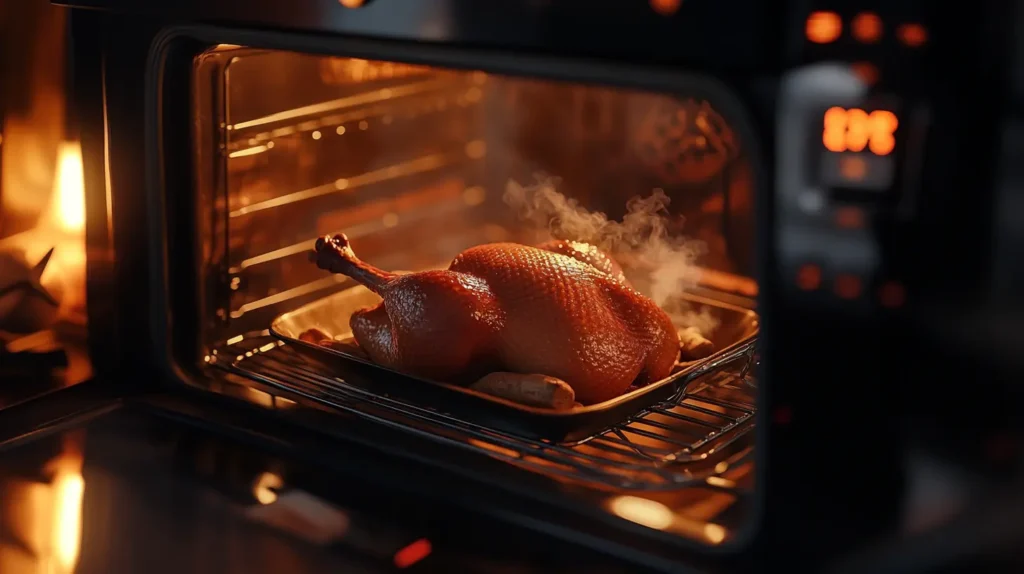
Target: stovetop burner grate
{"x": 682, "y": 441}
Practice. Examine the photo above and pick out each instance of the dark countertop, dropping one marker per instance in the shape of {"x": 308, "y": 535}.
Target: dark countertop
{"x": 121, "y": 490}
{"x": 94, "y": 480}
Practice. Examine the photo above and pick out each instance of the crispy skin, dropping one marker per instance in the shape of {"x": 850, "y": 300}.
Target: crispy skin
{"x": 510, "y": 307}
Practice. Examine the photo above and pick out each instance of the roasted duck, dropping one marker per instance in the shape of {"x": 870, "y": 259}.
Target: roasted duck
{"x": 563, "y": 311}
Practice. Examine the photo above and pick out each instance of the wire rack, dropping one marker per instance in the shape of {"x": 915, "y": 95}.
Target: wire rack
{"x": 688, "y": 439}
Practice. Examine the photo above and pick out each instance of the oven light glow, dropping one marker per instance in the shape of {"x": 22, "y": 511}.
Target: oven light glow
{"x": 855, "y": 129}
{"x": 263, "y": 489}
{"x": 68, "y": 490}
{"x": 474, "y": 195}
{"x": 649, "y": 513}
{"x": 720, "y": 482}
{"x": 250, "y": 151}
{"x": 476, "y": 149}
{"x": 70, "y": 186}
{"x": 715, "y": 533}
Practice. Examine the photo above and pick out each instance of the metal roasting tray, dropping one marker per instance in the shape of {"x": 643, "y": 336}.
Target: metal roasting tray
{"x": 738, "y": 327}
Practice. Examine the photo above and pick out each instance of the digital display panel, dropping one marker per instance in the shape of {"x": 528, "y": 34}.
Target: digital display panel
{"x": 854, "y": 129}
{"x": 859, "y": 146}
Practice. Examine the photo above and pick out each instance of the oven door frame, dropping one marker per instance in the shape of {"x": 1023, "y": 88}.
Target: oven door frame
{"x": 175, "y": 47}
{"x": 129, "y": 345}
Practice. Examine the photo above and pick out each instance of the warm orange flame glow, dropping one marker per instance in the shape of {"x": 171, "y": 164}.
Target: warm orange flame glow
{"x": 68, "y": 488}
{"x": 61, "y": 226}
{"x": 46, "y": 516}
{"x": 68, "y": 491}
{"x": 824, "y": 27}
{"x": 69, "y": 189}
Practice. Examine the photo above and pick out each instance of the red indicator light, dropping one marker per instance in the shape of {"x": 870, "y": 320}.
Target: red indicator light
{"x": 824, "y": 27}
{"x": 867, "y": 27}
{"x": 808, "y": 277}
{"x": 413, "y": 553}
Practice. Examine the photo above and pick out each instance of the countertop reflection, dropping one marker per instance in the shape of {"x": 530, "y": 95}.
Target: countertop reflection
{"x": 135, "y": 493}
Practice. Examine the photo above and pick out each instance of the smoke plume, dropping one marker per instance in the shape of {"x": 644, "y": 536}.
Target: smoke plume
{"x": 657, "y": 263}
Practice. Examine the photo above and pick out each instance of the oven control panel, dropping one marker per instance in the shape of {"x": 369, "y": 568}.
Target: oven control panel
{"x": 846, "y": 168}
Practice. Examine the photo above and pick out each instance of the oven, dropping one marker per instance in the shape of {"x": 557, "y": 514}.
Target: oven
{"x": 781, "y": 180}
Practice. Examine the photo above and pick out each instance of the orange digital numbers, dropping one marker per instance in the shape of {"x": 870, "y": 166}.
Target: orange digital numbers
{"x": 854, "y": 129}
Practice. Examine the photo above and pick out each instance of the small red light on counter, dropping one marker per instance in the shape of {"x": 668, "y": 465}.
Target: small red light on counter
{"x": 824, "y": 27}
{"x": 413, "y": 553}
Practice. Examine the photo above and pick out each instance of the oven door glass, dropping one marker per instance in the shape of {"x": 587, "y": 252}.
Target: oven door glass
{"x": 416, "y": 164}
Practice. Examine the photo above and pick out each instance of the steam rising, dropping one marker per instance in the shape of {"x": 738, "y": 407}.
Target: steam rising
{"x": 657, "y": 263}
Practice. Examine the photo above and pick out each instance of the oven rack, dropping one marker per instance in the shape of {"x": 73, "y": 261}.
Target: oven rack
{"x": 358, "y": 111}
{"x": 690, "y": 439}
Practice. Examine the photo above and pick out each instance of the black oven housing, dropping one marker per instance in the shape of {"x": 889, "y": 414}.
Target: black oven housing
{"x": 132, "y": 64}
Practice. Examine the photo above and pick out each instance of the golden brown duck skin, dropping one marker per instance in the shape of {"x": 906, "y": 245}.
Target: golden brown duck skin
{"x": 586, "y": 253}
{"x": 514, "y": 308}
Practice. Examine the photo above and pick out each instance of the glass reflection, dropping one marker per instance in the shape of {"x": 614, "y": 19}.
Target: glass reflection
{"x": 42, "y": 515}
